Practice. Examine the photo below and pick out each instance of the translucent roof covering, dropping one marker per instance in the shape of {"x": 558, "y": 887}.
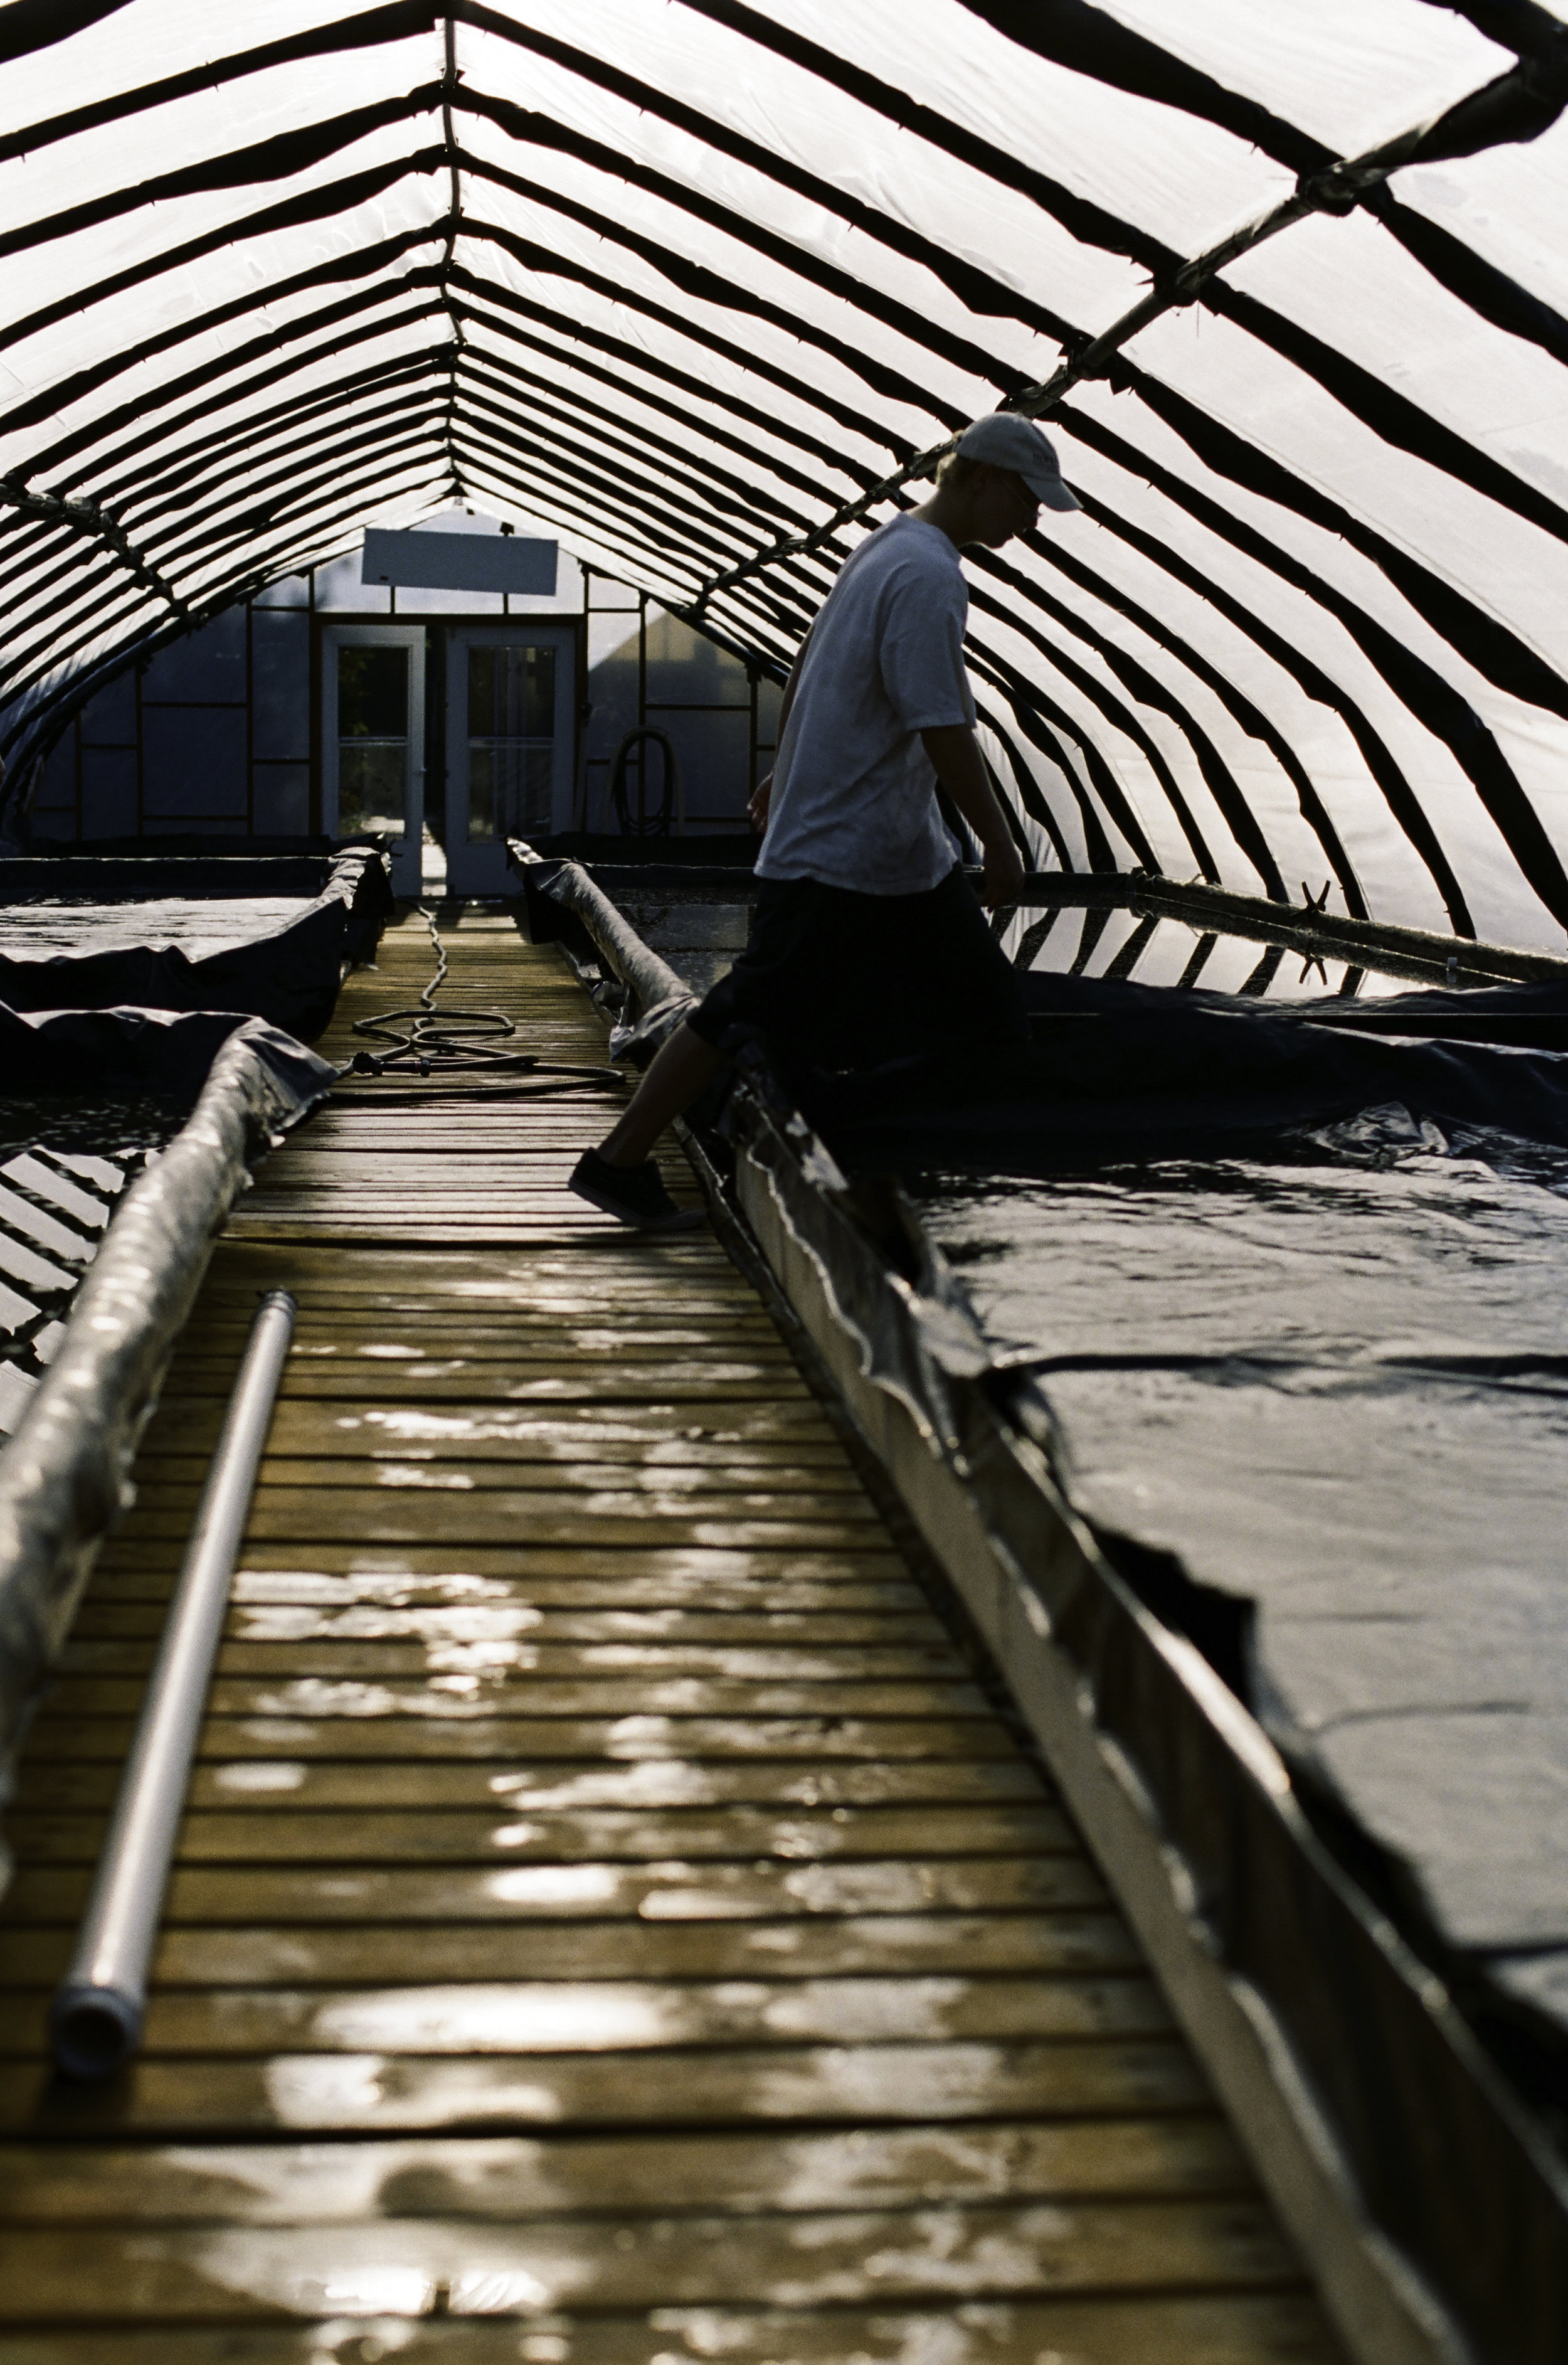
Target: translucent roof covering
{"x": 693, "y": 281}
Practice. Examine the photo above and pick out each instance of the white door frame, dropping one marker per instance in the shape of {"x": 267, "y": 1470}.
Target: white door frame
{"x": 407, "y": 851}
{"x": 481, "y": 869}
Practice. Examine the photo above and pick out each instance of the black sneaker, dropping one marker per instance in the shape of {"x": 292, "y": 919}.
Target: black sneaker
{"x": 633, "y": 1195}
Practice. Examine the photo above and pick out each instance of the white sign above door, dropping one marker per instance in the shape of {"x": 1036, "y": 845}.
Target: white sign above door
{"x": 459, "y": 562}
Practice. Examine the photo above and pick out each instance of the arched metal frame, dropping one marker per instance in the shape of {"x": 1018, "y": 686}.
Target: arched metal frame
{"x": 707, "y": 288}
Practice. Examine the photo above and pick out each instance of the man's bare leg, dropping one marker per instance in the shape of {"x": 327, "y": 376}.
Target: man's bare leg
{"x": 678, "y": 1073}
{"x": 621, "y": 1176}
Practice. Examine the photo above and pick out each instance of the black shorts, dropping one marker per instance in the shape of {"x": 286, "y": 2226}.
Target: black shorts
{"x": 834, "y": 979}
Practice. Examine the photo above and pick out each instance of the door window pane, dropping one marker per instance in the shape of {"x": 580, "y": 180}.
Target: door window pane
{"x": 511, "y": 732}
{"x": 373, "y": 738}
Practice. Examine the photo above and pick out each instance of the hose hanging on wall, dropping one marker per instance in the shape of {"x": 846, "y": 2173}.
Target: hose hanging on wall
{"x": 671, "y": 805}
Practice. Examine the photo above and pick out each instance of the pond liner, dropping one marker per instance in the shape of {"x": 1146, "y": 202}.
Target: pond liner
{"x": 288, "y": 976}
{"x": 188, "y": 844}
{"x": 1119, "y": 1070}
{"x": 141, "y": 870}
{"x": 728, "y": 851}
{"x": 1425, "y": 2197}
{"x": 167, "y": 1054}
{"x": 64, "y": 1475}
{"x": 1530, "y": 1015}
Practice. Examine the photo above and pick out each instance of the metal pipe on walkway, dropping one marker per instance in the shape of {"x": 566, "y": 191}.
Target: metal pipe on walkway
{"x": 95, "y": 2020}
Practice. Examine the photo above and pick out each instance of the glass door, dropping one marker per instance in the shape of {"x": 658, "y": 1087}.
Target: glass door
{"x": 509, "y": 745}
{"x": 373, "y": 739}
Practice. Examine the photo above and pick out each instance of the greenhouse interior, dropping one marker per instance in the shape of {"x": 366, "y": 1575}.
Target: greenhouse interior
{"x": 939, "y": 632}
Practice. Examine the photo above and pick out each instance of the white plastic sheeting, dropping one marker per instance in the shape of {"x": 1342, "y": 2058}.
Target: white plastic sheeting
{"x": 684, "y": 279}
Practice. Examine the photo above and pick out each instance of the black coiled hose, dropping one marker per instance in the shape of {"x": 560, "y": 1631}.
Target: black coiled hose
{"x": 425, "y": 1040}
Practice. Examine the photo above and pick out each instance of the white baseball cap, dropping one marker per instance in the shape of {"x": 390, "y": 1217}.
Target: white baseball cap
{"x": 1003, "y": 439}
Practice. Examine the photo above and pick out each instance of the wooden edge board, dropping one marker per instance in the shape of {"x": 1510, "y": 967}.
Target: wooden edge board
{"x": 1381, "y": 2311}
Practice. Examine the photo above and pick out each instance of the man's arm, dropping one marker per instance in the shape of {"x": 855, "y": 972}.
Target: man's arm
{"x": 954, "y": 752}
{"x": 760, "y": 797}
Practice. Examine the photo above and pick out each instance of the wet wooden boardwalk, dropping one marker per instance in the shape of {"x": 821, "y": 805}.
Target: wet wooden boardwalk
{"x": 615, "y": 1921}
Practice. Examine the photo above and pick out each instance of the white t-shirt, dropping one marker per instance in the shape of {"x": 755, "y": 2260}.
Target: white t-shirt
{"x": 853, "y": 800}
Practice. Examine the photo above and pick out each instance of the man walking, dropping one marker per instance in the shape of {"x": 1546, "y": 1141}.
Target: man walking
{"x": 864, "y": 923}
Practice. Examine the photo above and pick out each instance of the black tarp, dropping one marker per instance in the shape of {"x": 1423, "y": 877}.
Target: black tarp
{"x": 1291, "y": 1283}
{"x": 166, "y": 1054}
{"x": 1115, "y": 1069}
{"x": 287, "y": 974}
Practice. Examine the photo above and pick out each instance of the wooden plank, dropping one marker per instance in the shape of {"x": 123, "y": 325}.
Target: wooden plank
{"x": 658, "y": 1784}
{"x": 1281, "y": 2328}
{"x": 388, "y": 1234}
{"x": 549, "y": 1662}
{"x": 752, "y": 1433}
{"x": 282, "y": 1833}
{"x": 473, "y": 2020}
{"x": 460, "y": 1558}
{"x": 603, "y": 1892}
{"x": 460, "y": 1150}
{"x": 334, "y": 1293}
{"x": 176, "y": 1481}
{"x": 554, "y": 1219}
{"x": 832, "y": 1608}
{"x": 695, "y": 1467}
{"x": 334, "y": 2093}
{"x": 416, "y": 1331}
{"x": 361, "y": 1368}
{"x": 549, "y": 1213}
{"x": 465, "y": 1694}
{"x": 543, "y": 1203}
{"x": 456, "y": 1378}
{"x": 705, "y": 1577}
{"x": 986, "y": 2252}
{"x": 617, "y": 1745}
{"x": 295, "y": 1620}
{"x": 505, "y": 2178}
{"x": 622, "y": 1515}
{"x": 616, "y": 1266}
{"x": 618, "y": 1325}
{"x": 545, "y": 1206}
{"x": 961, "y": 1946}
{"x": 532, "y": 1169}
{"x": 410, "y": 1515}
{"x": 612, "y": 1323}
{"x": 464, "y": 1571}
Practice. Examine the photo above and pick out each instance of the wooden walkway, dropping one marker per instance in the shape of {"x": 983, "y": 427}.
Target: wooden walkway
{"x": 615, "y": 1921}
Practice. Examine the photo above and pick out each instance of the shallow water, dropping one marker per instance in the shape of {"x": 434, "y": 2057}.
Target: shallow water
{"x": 114, "y": 1126}
{"x": 698, "y": 940}
{"x": 65, "y": 1161}
{"x": 41, "y": 930}
{"x": 1335, "y": 1383}
{"x": 1170, "y": 952}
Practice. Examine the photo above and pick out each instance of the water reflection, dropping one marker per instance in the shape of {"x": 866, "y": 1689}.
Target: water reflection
{"x": 1333, "y": 1380}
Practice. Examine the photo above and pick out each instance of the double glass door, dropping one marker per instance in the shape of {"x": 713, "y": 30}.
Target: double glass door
{"x": 509, "y": 739}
